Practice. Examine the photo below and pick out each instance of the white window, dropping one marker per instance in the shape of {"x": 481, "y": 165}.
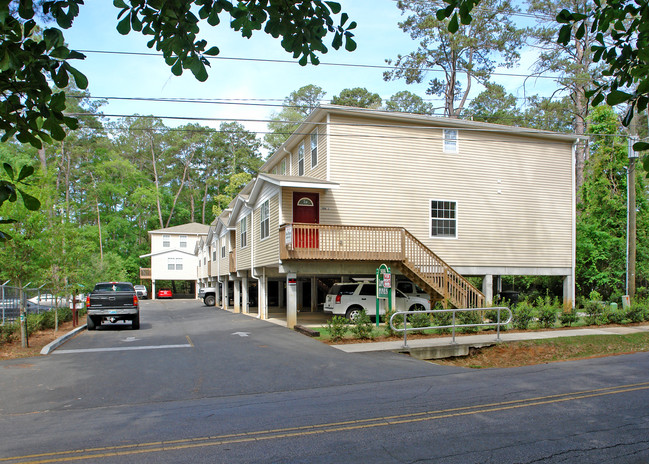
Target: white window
{"x": 213, "y": 255}
{"x": 179, "y": 264}
{"x": 264, "y": 218}
{"x": 443, "y": 219}
{"x": 171, "y": 264}
{"x": 183, "y": 241}
{"x": 450, "y": 141}
{"x": 244, "y": 232}
{"x": 282, "y": 167}
{"x": 166, "y": 241}
{"x": 314, "y": 148}
{"x": 300, "y": 160}
{"x": 223, "y": 251}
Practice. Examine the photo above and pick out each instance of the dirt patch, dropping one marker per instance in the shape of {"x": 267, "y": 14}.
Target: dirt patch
{"x": 37, "y": 340}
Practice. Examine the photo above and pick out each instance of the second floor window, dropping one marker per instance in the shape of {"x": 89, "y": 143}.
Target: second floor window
{"x": 171, "y": 264}
{"x": 183, "y": 241}
{"x": 282, "y": 167}
{"x": 166, "y": 241}
{"x": 314, "y": 148}
{"x": 223, "y": 251}
{"x": 443, "y": 219}
{"x": 300, "y": 160}
{"x": 179, "y": 264}
{"x": 213, "y": 255}
{"x": 450, "y": 141}
{"x": 264, "y": 218}
{"x": 244, "y": 232}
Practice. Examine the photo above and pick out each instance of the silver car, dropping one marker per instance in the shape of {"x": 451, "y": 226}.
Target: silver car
{"x": 141, "y": 291}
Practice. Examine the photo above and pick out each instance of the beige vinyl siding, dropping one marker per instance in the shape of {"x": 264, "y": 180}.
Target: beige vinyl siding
{"x": 320, "y": 171}
{"x": 267, "y": 250}
{"x": 223, "y": 262}
{"x": 513, "y": 193}
{"x": 328, "y": 212}
{"x": 243, "y": 254}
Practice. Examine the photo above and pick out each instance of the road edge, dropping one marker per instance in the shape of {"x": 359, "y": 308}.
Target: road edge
{"x": 47, "y": 349}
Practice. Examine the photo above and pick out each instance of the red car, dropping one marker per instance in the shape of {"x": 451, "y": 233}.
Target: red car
{"x": 165, "y": 293}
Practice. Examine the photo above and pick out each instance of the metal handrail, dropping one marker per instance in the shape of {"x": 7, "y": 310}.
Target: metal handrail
{"x": 407, "y": 329}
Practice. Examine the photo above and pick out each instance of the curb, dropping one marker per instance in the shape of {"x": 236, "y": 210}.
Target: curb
{"x": 47, "y": 349}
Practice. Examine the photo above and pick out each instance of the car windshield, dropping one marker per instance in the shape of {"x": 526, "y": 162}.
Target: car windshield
{"x": 113, "y": 287}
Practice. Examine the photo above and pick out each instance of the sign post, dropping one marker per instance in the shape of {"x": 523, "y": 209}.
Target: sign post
{"x": 383, "y": 288}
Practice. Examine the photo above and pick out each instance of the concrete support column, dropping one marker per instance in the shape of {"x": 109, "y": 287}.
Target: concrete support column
{"x": 244, "y": 296}
{"x": 153, "y": 292}
{"x": 291, "y": 300}
{"x": 237, "y": 296}
{"x": 217, "y": 293}
{"x": 226, "y": 293}
{"x": 314, "y": 294}
{"x": 488, "y": 289}
{"x": 568, "y": 292}
{"x": 262, "y": 297}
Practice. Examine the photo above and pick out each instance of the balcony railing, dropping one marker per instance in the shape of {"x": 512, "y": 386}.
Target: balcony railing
{"x": 145, "y": 273}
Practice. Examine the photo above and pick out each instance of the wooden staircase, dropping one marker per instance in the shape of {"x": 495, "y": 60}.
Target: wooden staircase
{"x": 394, "y": 245}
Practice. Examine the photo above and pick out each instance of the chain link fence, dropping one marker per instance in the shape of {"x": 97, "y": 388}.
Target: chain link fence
{"x": 36, "y": 301}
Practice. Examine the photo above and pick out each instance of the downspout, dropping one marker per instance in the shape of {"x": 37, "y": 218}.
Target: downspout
{"x": 573, "y": 264}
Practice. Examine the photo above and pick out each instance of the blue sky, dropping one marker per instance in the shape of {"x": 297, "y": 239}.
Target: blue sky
{"x": 119, "y": 75}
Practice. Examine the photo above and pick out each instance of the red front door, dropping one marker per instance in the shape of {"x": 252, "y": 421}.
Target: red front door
{"x": 306, "y": 210}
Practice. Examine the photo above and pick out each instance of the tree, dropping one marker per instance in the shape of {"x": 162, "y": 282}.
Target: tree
{"x": 496, "y": 106}
{"x": 621, "y": 38}
{"x": 296, "y": 107}
{"x": 548, "y": 114}
{"x": 358, "y": 97}
{"x": 601, "y": 224}
{"x": 490, "y": 40}
{"x": 408, "y": 102}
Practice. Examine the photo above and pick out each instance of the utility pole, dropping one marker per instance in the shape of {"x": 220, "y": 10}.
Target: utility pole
{"x": 631, "y": 222}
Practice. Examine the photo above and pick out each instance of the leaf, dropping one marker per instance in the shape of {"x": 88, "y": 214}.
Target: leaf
{"x": 615, "y": 97}
{"x": 25, "y": 172}
{"x": 350, "y": 44}
{"x": 9, "y": 170}
{"x": 4, "y": 237}
{"x": 334, "y": 7}
{"x": 453, "y": 25}
{"x": 213, "y": 51}
{"x": 31, "y": 203}
{"x": 79, "y": 78}
{"x": 564, "y": 35}
{"x": 124, "y": 26}
{"x": 641, "y": 146}
{"x": 8, "y": 221}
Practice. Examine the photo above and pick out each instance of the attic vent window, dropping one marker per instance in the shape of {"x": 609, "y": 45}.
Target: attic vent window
{"x": 305, "y": 202}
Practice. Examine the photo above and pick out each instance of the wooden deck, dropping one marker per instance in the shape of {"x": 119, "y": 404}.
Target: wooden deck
{"x": 385, "y": 244}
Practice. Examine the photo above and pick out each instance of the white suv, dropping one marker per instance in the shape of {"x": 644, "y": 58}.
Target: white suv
{"x": 349, "y": 299}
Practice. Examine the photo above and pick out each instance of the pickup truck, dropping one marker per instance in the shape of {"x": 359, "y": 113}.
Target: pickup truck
{"x": 113, "y": 301}
{"x": 208, "y": 295}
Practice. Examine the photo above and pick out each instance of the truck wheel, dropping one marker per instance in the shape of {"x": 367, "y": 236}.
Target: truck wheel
{"x": 135, "y": 323}
{"x": 90, "y": 323}
{"x": 209, "y": 300}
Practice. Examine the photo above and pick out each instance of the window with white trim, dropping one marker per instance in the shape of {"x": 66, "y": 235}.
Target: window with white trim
{"x": 179, "y": 264}
{"x": 282, "y": 167}
{"x": 264, "y": 220}
{"x": 223, "y": 251}
{"x": 450, "y": 141}
{"x": 244, "y": 232}
{"x": 213, "y": 255}
{"x": 183, "y": 241}
{"x": 443, "y": 219}
{"x": 300, "y": 160}
{"x": 314, "y": 148}
{"x": 166, "y": 241}
{"x": 171, "y": 264}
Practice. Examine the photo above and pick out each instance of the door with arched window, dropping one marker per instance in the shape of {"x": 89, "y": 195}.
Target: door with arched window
{"x": 306, "y": 210}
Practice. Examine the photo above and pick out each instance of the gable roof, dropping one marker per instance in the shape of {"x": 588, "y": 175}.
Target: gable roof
{"x": 192, "y": 228}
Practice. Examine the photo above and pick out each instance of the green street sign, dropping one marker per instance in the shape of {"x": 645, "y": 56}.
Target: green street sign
{"x": 383, "y": 288}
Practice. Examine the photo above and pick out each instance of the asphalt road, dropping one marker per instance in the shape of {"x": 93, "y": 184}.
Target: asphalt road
{"x": 202, "y": 385}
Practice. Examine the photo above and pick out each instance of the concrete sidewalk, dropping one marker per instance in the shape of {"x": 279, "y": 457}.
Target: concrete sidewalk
{"x": 443, "y": 347}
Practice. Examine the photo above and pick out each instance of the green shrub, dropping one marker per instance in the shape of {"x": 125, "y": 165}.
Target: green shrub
{"x": 491, "y": 315}
{"x": 362, "y": 326}
{"x": 47, "y": 319}
{"x": 337, "y": 327}
{"x": 546, "y": 312}
{"x": 594, "y": 309}
{"x": 442, "y": 319}
{"x": 637, "y": 312}
{"x": 469, "y": 317}
{"x": 568, "y": 317}
{"x": 398, "y": 323}
{"x": 523, "y": 315}
{"x": 8, "y": 331}
{"x": 419, "y": 320}
{"x": 615, "y": 316}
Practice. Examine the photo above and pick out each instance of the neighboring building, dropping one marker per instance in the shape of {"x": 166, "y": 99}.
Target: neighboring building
{"x": 434, "y": 198}
{"x": 172, "y": 254}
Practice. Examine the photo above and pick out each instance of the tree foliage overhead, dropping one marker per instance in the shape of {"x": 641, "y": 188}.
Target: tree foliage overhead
{"x": 408, "y": 102}
{"x": 471, "y": 54}
{"x": 358, "y": 97}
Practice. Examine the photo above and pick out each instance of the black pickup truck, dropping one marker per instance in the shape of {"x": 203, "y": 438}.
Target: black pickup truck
{"x": 113, "y": 301}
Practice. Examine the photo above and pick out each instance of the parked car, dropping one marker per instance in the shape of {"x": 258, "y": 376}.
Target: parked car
{"x": 165, "y": 293}
{"x": 410, "y": 289}
{"x": 47, "y": 299}
{"x": 141, "y": 291}
{"x": 349, "y": 299}
{"x": 112, "y": 301}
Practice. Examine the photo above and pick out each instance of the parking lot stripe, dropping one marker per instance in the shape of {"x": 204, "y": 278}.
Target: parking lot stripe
{"x": 123, "y": 348}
